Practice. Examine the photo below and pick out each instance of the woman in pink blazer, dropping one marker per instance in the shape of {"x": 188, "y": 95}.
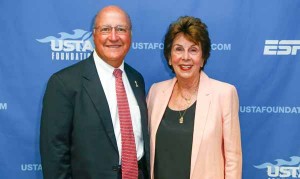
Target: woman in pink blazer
{"x": 193, "y": 119}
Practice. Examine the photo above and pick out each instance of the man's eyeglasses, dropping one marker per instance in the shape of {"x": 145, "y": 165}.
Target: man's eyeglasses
{"x": 107, "y": 29}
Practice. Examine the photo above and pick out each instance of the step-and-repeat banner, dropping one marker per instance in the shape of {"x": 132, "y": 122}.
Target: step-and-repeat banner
{"x": 255, "y": 46}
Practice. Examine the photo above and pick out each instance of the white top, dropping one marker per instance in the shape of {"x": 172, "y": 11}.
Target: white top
{"x": 105, "y": 73}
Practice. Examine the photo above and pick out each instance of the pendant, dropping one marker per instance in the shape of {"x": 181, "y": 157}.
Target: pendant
{"x": 181, "y": 120}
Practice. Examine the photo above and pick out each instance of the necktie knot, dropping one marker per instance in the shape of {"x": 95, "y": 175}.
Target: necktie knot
{"x": 117, "y": 73}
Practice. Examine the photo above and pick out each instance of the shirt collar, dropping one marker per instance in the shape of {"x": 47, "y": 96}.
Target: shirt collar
{"x": 100, "y": 63}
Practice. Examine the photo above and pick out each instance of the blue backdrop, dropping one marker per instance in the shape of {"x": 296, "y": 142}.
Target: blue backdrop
{"x": 255, "y": 46}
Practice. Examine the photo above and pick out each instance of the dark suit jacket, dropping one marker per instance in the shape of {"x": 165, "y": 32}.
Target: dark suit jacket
{"x": 77, "y": 138}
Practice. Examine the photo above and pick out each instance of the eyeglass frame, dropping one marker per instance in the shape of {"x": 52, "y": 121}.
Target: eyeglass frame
{"x": 110, "y": 28}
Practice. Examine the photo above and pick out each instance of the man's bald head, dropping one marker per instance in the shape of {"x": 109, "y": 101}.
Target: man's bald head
{"x": 109, "y": 9}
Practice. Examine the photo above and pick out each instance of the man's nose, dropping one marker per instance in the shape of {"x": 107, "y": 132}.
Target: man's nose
{"x": 113, "y": 35}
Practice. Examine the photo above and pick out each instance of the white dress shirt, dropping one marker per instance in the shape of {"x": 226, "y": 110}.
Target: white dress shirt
{"x": 105, "y": 73}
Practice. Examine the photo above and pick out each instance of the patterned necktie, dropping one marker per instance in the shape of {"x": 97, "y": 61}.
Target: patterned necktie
{"x": 129, "y": 158}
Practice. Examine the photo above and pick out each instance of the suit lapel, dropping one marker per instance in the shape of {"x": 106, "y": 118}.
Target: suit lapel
{"x": 202, "y": 108}
{"x": 94, "y": 88}
{"x": 138, "y": 89}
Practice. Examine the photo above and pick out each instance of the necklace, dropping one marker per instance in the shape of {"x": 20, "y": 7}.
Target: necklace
{"x": 181, "y": 119}
{"x": 188, "y": 101}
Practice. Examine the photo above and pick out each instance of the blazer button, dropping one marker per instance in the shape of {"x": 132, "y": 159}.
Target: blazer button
{"x": 116, "y": 167}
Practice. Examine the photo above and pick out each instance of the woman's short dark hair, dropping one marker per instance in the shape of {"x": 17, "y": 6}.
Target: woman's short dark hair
{"x": 194, "y": 30}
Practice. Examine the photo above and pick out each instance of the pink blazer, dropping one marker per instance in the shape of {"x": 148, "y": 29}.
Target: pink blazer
{"x": 216, "y": 148}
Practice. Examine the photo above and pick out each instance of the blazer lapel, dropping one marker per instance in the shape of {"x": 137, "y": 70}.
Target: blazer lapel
{"x": 94, "y": 88}
{"x": 157, "y": 113}
{"x": 160, "y": 107}
{"x": 202, "y": 108}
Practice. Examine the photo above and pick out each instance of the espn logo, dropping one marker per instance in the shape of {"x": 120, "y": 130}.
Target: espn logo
{"x": 281, "y": 47}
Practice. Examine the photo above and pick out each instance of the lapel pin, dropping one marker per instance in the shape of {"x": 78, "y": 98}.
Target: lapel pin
{"x": 136, "y": 84}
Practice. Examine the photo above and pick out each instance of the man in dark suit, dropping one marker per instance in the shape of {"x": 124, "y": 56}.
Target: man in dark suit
{"x": 80, "y": 135}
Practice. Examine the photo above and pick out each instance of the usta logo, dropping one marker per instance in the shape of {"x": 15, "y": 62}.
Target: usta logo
{"x": 282, "y": 168}
{"x": 76, "y": 46}
{"x": 80, "y": 41}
